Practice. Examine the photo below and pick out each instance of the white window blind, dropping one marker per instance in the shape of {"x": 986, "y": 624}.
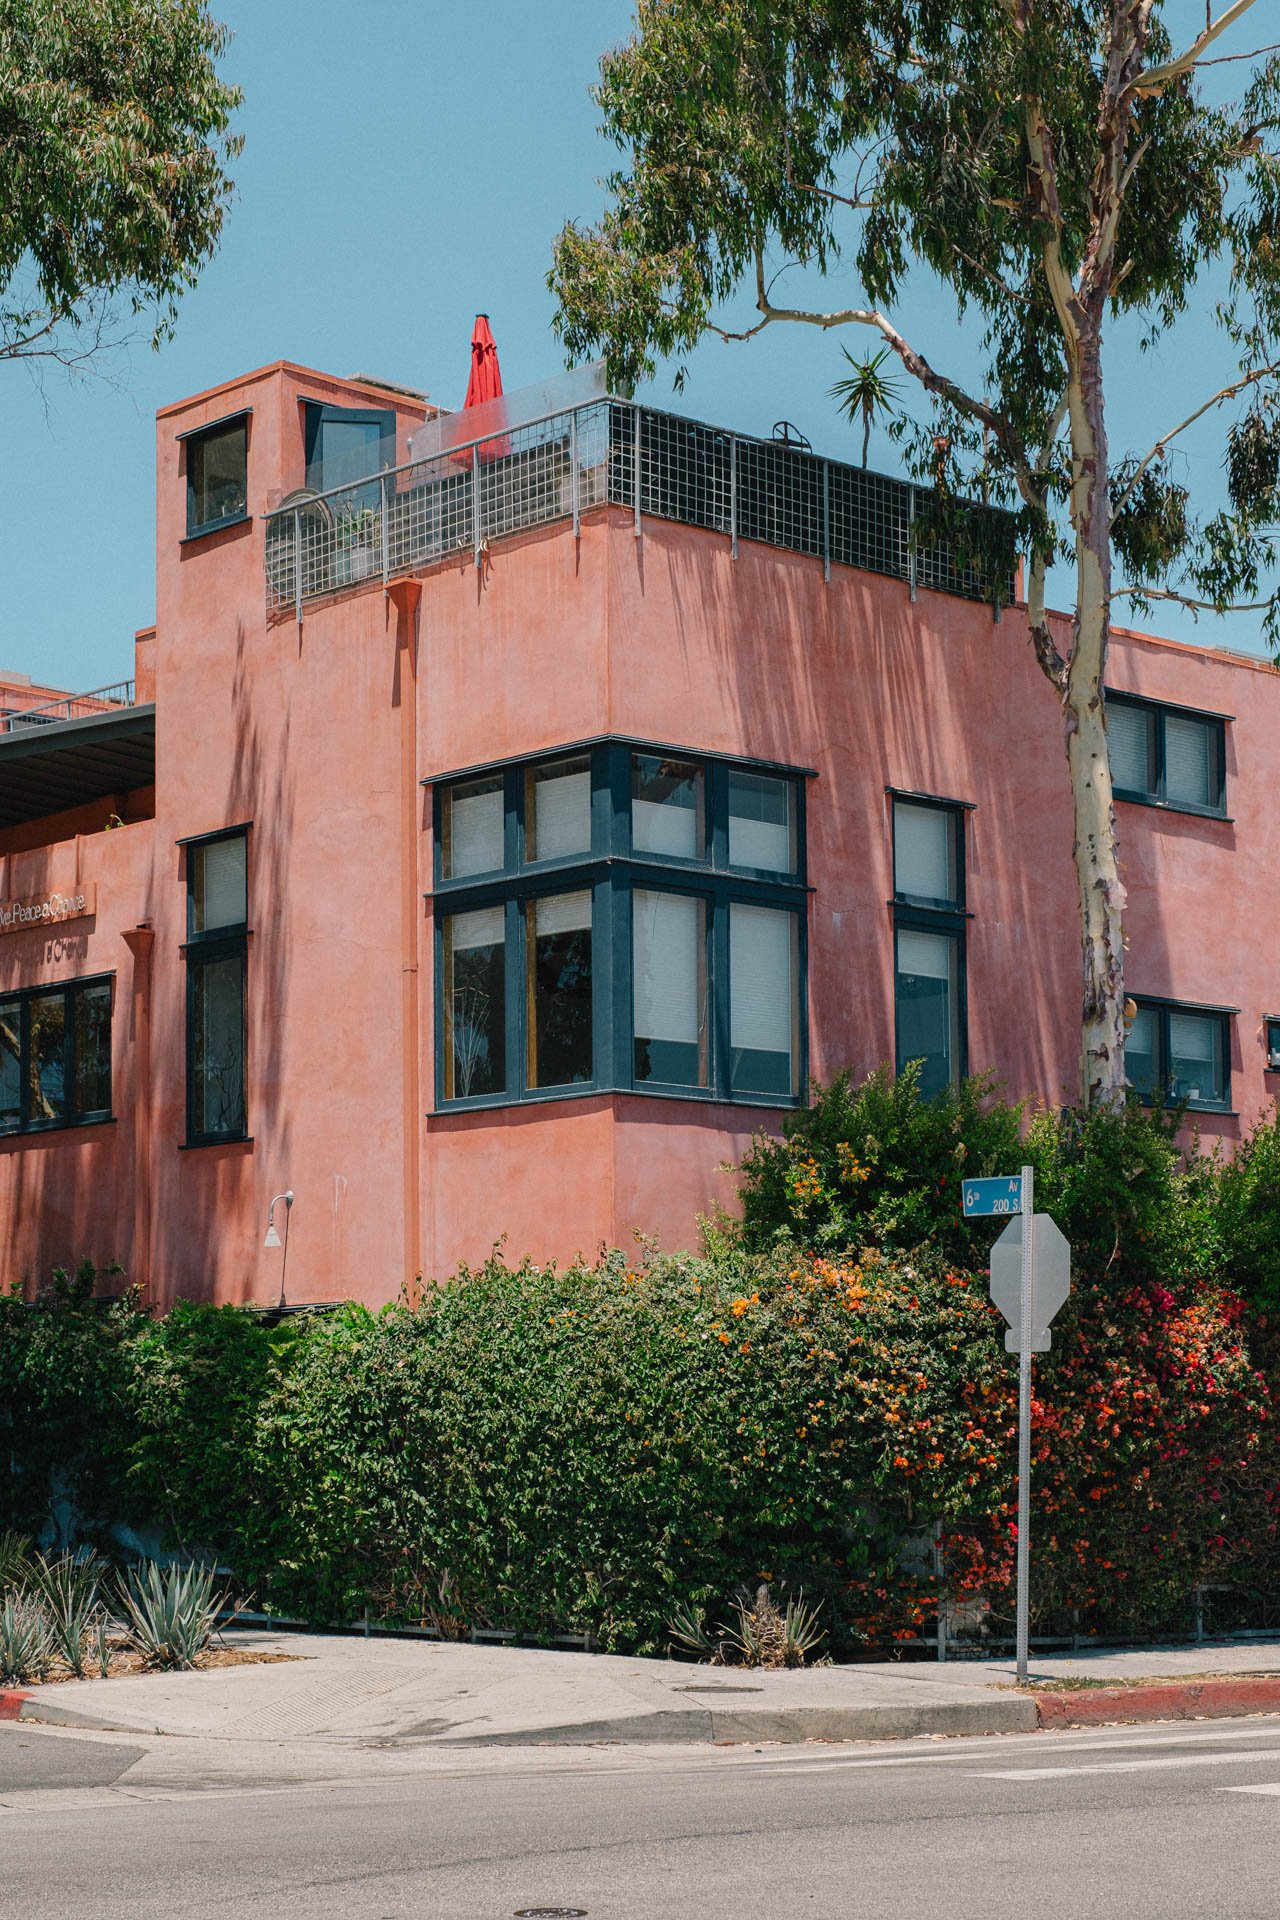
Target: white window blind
{"x": 760, "y": 986}
{"x": 665, "y": 940}
{"x": 562, "y": 913}
{"x": 760, "y": 823}
{"x": 220, "y": 885}
{"x": 1129, "y": 737}
{"x": 925, "y": 955}
{"x": 476, "y": 833}
{"x": 923, "y": 865}
{"x": 1188, "y": 762}
{"x": 667, "y": 828}
{"x": 484, "y": 928}
{"x": 562, "y": 822}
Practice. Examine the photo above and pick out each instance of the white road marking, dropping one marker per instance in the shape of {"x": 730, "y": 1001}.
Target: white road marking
{"x": 1132, "y": 1766}
{"x": 1273, "y": 1787}
{"x": 966, "y": 1750}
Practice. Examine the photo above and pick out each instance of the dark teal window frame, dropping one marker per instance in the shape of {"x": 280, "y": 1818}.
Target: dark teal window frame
{"x": 318, "y": 414}
{"x": 68, "y": 989}
{"x": 199, "y": 950}
{"x": 197, "y": 529}
{"x": 613, "y": 871}
{"x": 949, "y": 919}
{"x": 1162, "y": 1009}
{"x": 1157, "y": 712}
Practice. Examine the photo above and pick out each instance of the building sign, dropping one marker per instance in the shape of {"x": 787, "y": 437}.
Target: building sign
{"x": 43, "y": 910}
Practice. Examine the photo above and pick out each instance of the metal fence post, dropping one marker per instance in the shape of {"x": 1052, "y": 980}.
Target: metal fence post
{"x": 386, "y": 543}
{"x": 297, "y": 565}
{"x": 475, "y": 501}
{"x": 911, "y": 540}
{"x": 733, "y": 493}
{"x": 826, "y": 520}
{"x": 635, "y": 464}
{"x": 574, "y": 497}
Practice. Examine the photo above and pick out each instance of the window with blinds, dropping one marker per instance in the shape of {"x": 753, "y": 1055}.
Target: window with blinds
{"x": 927, "y": 1006}
{"x": 924, "y": 853}
{"x": 1180, "y": 1056}
{"x": 669, "y": 974}
{"x": 664, "y": 954}
{"x": 1166, "y": 757}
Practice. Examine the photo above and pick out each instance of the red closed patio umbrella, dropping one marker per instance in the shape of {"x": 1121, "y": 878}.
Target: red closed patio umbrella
{"x": 484, "y": 388}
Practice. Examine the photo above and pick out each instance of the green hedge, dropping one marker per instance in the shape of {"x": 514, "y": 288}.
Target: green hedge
{"x": 817, "y": 1400}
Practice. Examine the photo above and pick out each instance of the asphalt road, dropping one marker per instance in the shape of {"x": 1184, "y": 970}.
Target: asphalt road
{"x": 1154, "y": 1823}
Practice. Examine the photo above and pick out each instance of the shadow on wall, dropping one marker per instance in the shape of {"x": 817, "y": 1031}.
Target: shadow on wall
{"x": 960, "y": 711}
{"x": 208, "y": 1199}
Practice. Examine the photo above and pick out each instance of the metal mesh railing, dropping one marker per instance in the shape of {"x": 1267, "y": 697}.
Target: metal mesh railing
{"x": 612, "y": 452}
{"x": 70, "y": 706}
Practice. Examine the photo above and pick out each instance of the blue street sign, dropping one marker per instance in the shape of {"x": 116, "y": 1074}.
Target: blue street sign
{"x": 993, "y": 1196}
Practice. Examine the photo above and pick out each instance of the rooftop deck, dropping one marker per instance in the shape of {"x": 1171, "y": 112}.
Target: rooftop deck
{"x": 655, "y": 465}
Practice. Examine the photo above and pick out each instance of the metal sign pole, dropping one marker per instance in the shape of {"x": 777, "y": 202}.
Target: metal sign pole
{"x": 1024, "y": 1420}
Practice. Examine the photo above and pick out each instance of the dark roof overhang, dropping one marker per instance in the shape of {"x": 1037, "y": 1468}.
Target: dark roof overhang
{"x": 50, "y": 769}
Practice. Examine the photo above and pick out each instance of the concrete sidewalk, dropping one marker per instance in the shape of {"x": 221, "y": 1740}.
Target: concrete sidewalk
{"x": 398, "y": 1692}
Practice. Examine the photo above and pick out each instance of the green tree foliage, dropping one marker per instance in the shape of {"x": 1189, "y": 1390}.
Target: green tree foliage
{"x": 114, "y": 131}
{"x": 1058, "y": 166}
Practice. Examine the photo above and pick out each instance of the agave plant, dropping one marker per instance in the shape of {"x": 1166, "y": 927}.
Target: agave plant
{"x": 687, "y": 1632}
{"x": 762, "y": 1636}
{"x": 15, "y": 1559}
{"x": 26, "y": 1639}
{"x": 69, "y": 1588}
{"x": 171, "y": 1611}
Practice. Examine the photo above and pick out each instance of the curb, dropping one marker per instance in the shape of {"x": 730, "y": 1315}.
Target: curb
{"x": 788, "y": 1726}
{"x": 1190, "y": 1700}
{"x": 26, "y": 1706}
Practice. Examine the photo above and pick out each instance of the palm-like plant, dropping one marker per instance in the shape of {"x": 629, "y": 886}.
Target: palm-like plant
{"x": 171, "y": 1612}
{"x": 68, "y": 1588}
{"x": 866, "y": 392}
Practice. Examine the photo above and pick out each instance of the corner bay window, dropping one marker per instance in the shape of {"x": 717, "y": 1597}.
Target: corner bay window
{"x": 55, "y": 1057}
{"x": 1180, "y": 1054}
{"x": 217, "y": 475}
{"x": 928, "y": 919}
{"x": 217, "y": 958}
{"x": 666, "y": 956}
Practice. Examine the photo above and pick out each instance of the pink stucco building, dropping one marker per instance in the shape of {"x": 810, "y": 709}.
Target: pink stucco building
{"x": 494, "y": 835}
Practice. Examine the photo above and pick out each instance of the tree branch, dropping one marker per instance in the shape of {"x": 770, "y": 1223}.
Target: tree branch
{"x": 1218, "y": 399}
{"x": 1157, "y": 78}
{"x": 1191, "y": 603}
{"x": 938, "y": 384}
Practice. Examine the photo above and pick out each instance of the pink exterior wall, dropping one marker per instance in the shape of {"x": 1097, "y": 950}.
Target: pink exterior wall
{"x": 322, "y": 734}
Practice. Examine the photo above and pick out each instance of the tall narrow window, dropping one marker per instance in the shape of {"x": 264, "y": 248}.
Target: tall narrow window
{"x": 55, "y": 1057}
{"x": 558, "y": 966}
{"x": 669, "y": 948}
{"x": 217, "y": 476}
{"x": 763, "y": 1011}
{"x": 475, "y": 1003}
{"x": 928, "y": 919}
{"x": 928, "y": 1006}
{"x": 217, "y": 961}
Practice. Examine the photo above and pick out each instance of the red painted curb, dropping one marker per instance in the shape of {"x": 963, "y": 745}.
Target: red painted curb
{"x": 11, "y": 1704}
{"x": 1175, "y": 1701}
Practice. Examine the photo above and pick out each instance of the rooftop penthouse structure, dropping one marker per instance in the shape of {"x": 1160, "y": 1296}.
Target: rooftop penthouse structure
{"x": 509, "y": 814}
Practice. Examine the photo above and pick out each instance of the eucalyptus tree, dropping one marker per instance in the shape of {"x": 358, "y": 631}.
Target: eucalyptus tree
{"x": 114, "y": 146}
{"x": 1059, "y": 166}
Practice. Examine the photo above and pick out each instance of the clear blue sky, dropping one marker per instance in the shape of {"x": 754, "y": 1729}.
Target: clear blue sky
{"x": 406, "y": 166}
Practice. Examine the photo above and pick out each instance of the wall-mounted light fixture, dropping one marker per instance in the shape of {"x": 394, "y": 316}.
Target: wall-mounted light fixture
{"x": 273, "y": 1238}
